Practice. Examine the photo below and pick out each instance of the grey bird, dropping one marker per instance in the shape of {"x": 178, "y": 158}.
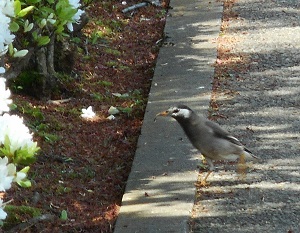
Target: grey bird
{"x": 209, "y": 138}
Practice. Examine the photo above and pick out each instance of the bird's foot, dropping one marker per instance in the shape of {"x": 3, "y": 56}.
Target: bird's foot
{"x": 202, "y": 183}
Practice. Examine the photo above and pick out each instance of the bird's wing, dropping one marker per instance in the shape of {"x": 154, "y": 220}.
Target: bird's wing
{"x": 221, "y": 133}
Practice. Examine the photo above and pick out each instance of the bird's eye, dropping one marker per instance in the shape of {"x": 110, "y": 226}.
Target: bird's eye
{"x": 176, "y": 110}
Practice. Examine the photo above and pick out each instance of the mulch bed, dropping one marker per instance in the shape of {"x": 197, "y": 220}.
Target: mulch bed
{"x": 83, "y": 165}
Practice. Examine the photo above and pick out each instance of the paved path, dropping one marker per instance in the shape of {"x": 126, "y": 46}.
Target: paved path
{"x": 160, "y": 191}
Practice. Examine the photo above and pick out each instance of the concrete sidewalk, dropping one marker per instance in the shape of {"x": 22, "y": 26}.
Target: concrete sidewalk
{"x": 160, "y": 190}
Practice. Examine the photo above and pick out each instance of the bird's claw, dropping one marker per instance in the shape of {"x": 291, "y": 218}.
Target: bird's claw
{"x": 204, "y": 183}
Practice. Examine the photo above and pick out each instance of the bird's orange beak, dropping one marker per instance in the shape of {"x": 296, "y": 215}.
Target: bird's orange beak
{"x": 164, "y": 113}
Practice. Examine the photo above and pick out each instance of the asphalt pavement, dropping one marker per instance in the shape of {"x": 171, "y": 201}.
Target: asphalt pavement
{"x": 260, "y": 103}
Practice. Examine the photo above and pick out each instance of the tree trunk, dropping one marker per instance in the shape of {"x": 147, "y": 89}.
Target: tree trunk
{"x": 45, "y": 66}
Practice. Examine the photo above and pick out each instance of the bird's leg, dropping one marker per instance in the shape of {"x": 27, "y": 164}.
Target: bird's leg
{"x": 203, "y": 182}
{"x": 211, "y": 168}
{"x": 242, "y": 167}
{"x": 203, "y": 164}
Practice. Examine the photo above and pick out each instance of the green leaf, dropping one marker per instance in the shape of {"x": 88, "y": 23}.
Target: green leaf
{"x": 26, "y": 155}
{"x": 43, "y": 40}
{"x": 43, "y": 23}
{"x": 51, "y": 138}
{"x": 31, "y": 2}
{"x": 14, "y": 27}
{"x": 27, "y": 26}
{"x": 46, "y": 11}
{"x": 5, "y": 152}
{"x": 13, "y": 106}
{"x": 35, "y": 35}
{"x": 25, "y": 169}
{"x": 21, "y": 53}
{"x": 25, "y": 183}
{"x": 64, "y": 215}
{"x": 65, "y": 11}
{"x": 125, "y": 110}
{"x": 25, "y": 11}
{"x": 10, "y": 49}
{"x": 60, "y": 28}
{"x": 6, "y": 149}
{"x": 17, "y": 6}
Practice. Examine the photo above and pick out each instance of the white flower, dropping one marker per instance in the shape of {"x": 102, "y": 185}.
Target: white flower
{"x": 3, "y": 214}
{"x": 4, "y": 97}
{"x": 5, "y": 36}
{"x": 7, "y": 7}
{"x": 6, "y": 174}
{"x": 75, "y": 3}
{"x": 19, "y": 176}
{"x": 13, "y": 128}
{"x": 76, "y": 18}
{"x": 6, "y": 11}
{"x": 88, "y": 113}
{"x": 70, "y": 26}
{"x": 12, "y": 172}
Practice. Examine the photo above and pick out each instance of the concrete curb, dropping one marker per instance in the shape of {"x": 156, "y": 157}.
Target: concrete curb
{"x": 160, "y": 190}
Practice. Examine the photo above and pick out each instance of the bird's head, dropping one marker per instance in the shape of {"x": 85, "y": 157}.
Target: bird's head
{"x": 179, "y": 112}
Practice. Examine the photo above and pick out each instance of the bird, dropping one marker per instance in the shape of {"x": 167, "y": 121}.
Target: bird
{"x": 213, "y": 142}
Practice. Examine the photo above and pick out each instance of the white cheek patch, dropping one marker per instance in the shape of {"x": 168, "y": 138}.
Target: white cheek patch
{"x": 184, "y": 112}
